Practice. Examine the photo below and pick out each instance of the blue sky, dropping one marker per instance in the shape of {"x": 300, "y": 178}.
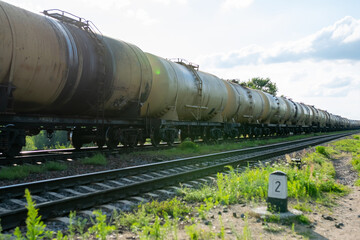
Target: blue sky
{"x": 311, "y": 49}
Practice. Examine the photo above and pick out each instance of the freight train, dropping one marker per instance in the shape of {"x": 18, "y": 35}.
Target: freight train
{"x": 57, "y": 72}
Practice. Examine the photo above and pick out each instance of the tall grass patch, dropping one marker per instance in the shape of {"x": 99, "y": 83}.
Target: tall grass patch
{"x": 313, "y": 181}
{"x": 351, "y": 146}
{"x": 20, "y": 172}
{"x": 188, "y": 148}
{"x": 155, "y": 220}
{"x": 97, "y": 159}
{"x": 55, "y": 166}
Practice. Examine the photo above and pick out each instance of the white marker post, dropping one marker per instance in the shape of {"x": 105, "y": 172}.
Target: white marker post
{"x": 277, "y": 192}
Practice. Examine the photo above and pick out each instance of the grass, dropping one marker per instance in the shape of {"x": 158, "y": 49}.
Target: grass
{"x": 188, "y": 145}
{"x": 55, "y": 166}
{"x": 312, "y": 183}
{"x": 23, "y": 171}
{"x": 351, "y": 146}
{"x": 20, "y": 172}
{"x": 188, "y": 148}
{"x": 97, "y": 159}
{"x": 35, "y": 228}
{"x": 155, "y": 220}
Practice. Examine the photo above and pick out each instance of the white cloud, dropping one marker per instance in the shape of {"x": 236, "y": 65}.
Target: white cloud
{"x": 167, "y": 2}
{"x": 231, "y": 4}
{"x": 141, "y": 15}
{"x": 331, "y": 85}
{"x": 108, "y": 5}
{"x": 339, "y": 41}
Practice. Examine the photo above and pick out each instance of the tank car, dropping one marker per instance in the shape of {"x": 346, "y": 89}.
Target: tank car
{"x": 291, "y": 111}
{"x": 58, "y": 66}
{"x": 182, "y": 93}
{"x": 246, "y": 107}
{"x": 58, "y": 72}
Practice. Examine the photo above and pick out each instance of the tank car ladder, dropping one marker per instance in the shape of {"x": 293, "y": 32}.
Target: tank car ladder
{"x": 91, "y": 29}
{"x": 194, "y": 68}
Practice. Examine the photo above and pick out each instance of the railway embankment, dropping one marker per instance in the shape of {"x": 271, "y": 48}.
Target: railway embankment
{"x": 324, "y": 186}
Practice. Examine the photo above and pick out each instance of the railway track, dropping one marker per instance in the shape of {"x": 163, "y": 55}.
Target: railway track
{"x": 57, "y": 197}
{"x": 43, "y": 156}
{"x": 32, "y": 157}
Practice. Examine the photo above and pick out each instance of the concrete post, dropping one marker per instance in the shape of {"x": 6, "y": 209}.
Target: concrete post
{"x": 277, "y": 192}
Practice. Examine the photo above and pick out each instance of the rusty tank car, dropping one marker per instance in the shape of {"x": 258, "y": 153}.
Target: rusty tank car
{"x": 58, "y": 72}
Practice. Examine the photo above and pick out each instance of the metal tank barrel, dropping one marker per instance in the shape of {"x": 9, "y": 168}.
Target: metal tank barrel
{"x": 181, "y": 92}
{"x": 57, "y": 64}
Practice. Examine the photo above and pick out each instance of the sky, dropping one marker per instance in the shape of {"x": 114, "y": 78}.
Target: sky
{"x": 309, "y": 48}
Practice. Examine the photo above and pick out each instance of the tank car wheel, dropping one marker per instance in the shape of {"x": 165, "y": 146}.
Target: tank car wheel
{"x": 75, "y": 137}
{"x": 155, "y": 137}
{"x": 112, "y": 137}
{"x": 100, "y": 144}
{"x": 13, "y": 151}
{"x": 112, "y": 144}
{"x": 132, "y": 143}
{"x": 141, "y": 142}
{"x": 258, "y": 132}
{"x": 77, "y": 144}
{"x": 170, "y": 142}
{"x": 155, "y": 141}
{"x": 183, "y": 137}
{"x": 15, "y": 138}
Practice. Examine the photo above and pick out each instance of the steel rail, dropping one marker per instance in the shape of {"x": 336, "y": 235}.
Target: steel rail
{"x": 64, "y": 154}
{"x": 13, "y": 218}
{"x": 70, "y": 181}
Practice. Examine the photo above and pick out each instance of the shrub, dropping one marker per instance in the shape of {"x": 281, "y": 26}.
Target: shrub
{"x": 322, "y": 150}
{"x": 188, "y": 145}
{"x": 35, "y": 228}
{"x": 55, "y": 166}
{"x": 97, "y": 159}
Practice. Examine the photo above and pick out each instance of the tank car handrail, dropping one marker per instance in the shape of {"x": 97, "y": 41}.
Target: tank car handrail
{"x": 80, "y": 22}
{"x": 185, "y": 62}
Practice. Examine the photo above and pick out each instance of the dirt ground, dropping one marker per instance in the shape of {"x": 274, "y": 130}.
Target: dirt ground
{"x": 337, "y": 222}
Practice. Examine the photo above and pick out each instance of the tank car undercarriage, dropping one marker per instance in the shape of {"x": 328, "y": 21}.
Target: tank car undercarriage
{"x": 58, "y": 72}
{"x": 130, "y": 133}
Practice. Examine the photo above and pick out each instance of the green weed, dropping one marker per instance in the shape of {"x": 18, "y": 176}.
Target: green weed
{"x": 20, "y": 172}
{"x": 322, "y": 150}
{"x": 303, "y": 206}
{"x": 303, "y": 219}
{"x": 293, "y": 228}
{"x": 35, "y": 228}
{"x": 352, "y": 146}
{"x": 17, "y": 172}
{"x": 246, "y": 230}
{"x": 100, "y": 228}
{"x": 192, "y": 149}
{"x": 97, "y": 159}
{"x": 135, "y": 221}
{"x": 273, "y": 228}
{"x": 155, "y": 230}
{"x": 311, "y": 182}
{"x": 3, "y": 236}
{"x": 195, "y": 233}
{"x": 188, "y": 145}
{"x": 222, "y": 228}
{"x": 173, "y": 207}
{"x": 55, "y": 166}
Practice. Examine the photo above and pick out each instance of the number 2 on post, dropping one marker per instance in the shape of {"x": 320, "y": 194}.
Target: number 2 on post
{"x": 278, "y": 185}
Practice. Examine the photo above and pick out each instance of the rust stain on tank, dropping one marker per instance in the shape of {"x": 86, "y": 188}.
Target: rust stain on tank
{"x": 30, "y": 68}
